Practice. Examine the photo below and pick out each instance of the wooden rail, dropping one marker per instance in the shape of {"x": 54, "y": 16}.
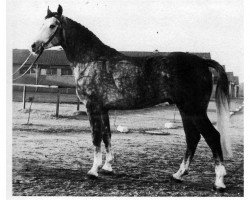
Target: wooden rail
{"x": 46, "y": 86}
{"x": 42, "y": 86}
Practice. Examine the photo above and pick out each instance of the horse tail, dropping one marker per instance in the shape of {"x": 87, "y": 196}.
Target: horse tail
{"x": 222, "y": 105}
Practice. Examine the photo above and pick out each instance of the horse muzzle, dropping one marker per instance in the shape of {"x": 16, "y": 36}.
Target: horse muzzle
{"x": 37, "y": 48}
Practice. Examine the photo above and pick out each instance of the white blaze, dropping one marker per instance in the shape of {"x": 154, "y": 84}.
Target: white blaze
{"x": 47, "y": 30}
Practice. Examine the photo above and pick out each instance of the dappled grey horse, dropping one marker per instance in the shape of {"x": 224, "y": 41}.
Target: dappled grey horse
{"x": 106, "y": 79}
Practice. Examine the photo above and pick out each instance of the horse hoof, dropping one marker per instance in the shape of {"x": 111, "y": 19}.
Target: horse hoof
{"x": 219, "y": 189}
{"x": 106, "y": 172}
{"x": 176, "y": 179}
{"x": 92, "y": 175}
{"x": 107, "y": 168}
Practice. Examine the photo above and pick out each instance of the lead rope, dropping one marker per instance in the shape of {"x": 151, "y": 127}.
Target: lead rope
{"x": 28, "y": 68}
{"x": 174, "y": 112}
{"x": 115, "y": 120}
{"x": 40, "y": 48}
{"x": 22, "y": 64}
{"x": 31, "y": 99}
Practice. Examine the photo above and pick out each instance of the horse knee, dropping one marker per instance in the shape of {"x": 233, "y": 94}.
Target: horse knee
{"x": 206, "y": 128}
{"x": 96, "y": 140}
{"x": 212, "y": 137}
{"x": 106, "y": 139}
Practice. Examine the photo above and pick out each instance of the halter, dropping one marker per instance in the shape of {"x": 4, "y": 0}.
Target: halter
{"x": 41, "y": 49}
{"x": 51, "y": 38}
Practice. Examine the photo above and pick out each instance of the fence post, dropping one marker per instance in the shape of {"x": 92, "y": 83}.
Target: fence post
{"x": 78, "y": 104}
{"x": 24, "y": 96}
{"x": 57, "y": 102}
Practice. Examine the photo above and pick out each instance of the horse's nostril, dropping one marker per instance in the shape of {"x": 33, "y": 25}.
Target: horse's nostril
{"x": 33, "y": 45}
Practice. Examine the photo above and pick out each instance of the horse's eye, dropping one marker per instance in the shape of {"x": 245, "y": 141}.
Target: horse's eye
{"x": 52, "y": 26}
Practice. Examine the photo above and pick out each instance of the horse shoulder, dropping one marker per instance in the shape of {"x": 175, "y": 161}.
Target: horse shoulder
{"x": 87, "y": 79}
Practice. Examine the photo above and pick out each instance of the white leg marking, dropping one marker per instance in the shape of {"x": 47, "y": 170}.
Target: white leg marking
{"x": 183, "y": 168}
{"x": 109, "y": 159}
{"x": 220, "y": 172}
{"x": 97, "y": 162}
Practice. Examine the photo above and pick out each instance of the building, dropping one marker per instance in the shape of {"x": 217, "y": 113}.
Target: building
{"x": 53, "y": 68}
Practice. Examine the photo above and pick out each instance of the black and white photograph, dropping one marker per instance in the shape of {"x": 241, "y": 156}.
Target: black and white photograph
{"x": 122, "y": 98}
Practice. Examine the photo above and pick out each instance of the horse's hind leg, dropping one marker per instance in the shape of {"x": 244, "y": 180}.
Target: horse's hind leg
{"x": 212, "y": 137}
{"x": 192, "y": 139}
{"x": 94, "y": 113}
{"x": 107, "y": 141}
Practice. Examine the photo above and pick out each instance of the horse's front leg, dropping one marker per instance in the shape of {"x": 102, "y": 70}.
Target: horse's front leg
{"x": 94, "y": 113}
{"x": 107, "y": 141}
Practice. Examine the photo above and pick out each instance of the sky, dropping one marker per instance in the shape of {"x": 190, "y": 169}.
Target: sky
{"x": 214, "y": 26}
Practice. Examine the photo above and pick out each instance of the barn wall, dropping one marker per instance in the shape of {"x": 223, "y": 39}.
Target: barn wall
{"x": 58, "y": 79}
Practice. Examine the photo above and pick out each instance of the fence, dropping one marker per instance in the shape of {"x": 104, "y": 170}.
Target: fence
{"x": 59, "y": 88}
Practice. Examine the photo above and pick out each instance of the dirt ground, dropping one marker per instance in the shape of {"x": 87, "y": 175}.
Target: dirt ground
{"x": 51, "y": 156}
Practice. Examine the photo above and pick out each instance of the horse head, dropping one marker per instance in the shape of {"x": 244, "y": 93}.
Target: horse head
{"x": 50, "y": 32}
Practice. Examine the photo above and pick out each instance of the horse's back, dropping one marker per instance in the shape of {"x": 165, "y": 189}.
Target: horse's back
{"x": 180, "y": 77}
{"x": 183, "y": 78}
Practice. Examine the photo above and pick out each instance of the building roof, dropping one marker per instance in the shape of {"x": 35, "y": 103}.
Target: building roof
{"x": 230, "y": 76}
{"x": 49, "y": 57}
{"x": 58, "y": 57}
{"x": 205, "y": 55}
{"x": 236, "y": 80}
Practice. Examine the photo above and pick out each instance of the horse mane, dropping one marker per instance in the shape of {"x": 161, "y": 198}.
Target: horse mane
{"x": 84, "y": 31}
{"x": 81, "y": 39}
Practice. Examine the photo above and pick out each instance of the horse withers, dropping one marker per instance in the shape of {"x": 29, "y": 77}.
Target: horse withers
{"x": 106, "y": 80}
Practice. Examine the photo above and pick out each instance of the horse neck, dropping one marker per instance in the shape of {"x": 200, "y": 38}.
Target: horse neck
{"x": 81, "y": 45}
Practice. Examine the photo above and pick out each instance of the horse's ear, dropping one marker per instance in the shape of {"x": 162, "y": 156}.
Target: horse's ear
{"x": 48, "y": 11}
{"x": 59, "y": 10}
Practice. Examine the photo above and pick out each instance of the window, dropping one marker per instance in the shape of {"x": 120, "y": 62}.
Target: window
{"x": 47, "y": 70}
{"x": 24, "y": 69}
{"x": 43, "y": 71}
{"x": 66, "y": 71}
{"x": 51, "y": 71}
{"x": 32, "y": 70}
